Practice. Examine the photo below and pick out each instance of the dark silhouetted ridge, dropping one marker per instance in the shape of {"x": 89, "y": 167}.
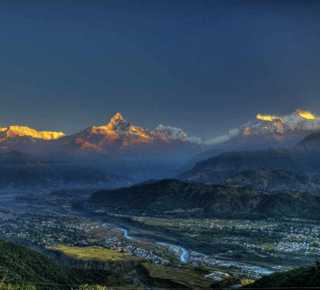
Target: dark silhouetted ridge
{"x": 170, "y": 196}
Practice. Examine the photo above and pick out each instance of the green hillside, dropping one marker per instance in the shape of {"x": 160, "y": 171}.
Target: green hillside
{"x": 301, "y": 277}
{"x": 21, "y": 265}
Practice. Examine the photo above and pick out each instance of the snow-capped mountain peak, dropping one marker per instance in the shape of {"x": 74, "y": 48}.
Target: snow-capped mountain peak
{"x": 271, "y": 128}
{"x": 116, "y": 126}
{"x": 117, "y": 117}
{"x": 298, "y": 120}
{"x": 171, "y": 132}
{"x": 15, "y": 131}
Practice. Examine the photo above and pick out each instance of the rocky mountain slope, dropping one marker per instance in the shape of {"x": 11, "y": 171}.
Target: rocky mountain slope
{"x": 176, "y": 198}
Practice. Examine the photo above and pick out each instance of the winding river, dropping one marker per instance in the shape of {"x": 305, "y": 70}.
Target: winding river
{"x": 184, "y": 256}
{"x": 183, "y": 252}
{"x": 126, "y": 234}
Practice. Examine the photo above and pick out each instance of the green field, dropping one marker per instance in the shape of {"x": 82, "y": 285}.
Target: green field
{"x": 94, "y": 253}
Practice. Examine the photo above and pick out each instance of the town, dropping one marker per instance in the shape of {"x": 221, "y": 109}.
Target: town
{"x": 262, "y": 246}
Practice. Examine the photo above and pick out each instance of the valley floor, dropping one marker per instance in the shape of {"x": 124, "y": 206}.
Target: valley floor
{"x": 211, "y": 249}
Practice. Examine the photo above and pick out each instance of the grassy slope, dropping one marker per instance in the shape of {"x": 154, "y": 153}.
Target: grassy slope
{"x": 20, "y": 264}
{"x": 156, "y": 275}
{"x": 185, "y": 276}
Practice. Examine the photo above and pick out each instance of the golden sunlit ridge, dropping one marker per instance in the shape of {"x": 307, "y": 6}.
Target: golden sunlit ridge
{"x": 307, "y": 115}
{"x": 267, "y": 118}
{"x": 304, "y": 114}
{"x": 14, "y": 131}
{"x": 138, "y": 134}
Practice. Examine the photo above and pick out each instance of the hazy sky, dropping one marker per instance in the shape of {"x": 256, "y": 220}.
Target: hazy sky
{"x": 204, "y": 66}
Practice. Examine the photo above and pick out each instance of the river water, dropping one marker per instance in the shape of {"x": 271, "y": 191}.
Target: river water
{"x": 184, "y": 256}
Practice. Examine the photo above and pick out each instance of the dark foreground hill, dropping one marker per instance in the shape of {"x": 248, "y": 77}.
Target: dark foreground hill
{"x": 21, "y": 265}
{"x": 179, "y": 198}
{"x": 302, "y": 277}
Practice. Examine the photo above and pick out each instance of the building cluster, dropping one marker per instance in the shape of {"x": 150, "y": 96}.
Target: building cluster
{"x": 232, "y": 267}
{"x": 44, "y": 230}
{"x": 48, "y": 230}
{"x": 115, "y": 243}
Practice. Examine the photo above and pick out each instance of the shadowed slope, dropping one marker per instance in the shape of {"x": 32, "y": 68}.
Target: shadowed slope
{"x": 302, "y": 277}
{"x": 18, "y": 264}
{"x": 201, "y": 200}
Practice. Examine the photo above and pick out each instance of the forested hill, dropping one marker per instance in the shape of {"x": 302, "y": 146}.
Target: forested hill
{"x": 302, "y": 277}
{"x": 20, "y": 265}
{"x": 206, "y": 200}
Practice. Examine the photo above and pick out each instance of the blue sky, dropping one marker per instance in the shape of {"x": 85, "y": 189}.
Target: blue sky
{"x": 204, "y": 66}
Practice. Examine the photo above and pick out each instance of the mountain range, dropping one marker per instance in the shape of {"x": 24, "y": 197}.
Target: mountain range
{"x": 121, "y": 138}
{"x": 118, "y": 137}
{"x": 270, "y": 130}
